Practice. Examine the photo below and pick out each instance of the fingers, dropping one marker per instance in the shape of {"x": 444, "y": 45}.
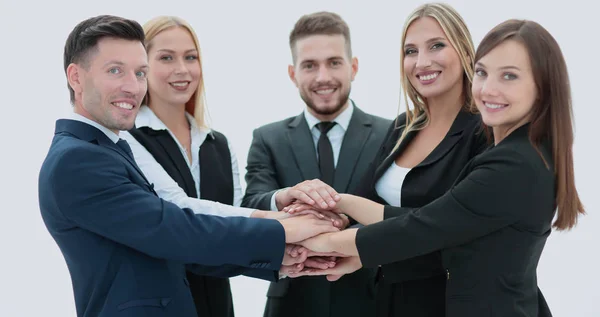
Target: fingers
{"x": 310, "y": 212}
{"x": 319, "y": 263}
{"x": 333, "y": 255}
{"x": 298, "y": 249}
{"x": 297, "y": 207}
{"x": 302, "y": 196}
{"x": 291, "y": 270}
{"x": 315, "y": 193}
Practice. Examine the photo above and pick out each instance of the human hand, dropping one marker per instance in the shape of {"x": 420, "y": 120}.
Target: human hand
{"x": 343, "y": 266}
{"x": 340, "y": 221}
{"x": 302, "y": 227}
{"x": 312, "y": 192}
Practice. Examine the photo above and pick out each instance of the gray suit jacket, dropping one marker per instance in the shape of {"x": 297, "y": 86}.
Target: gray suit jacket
{"x": 283, "y": 154}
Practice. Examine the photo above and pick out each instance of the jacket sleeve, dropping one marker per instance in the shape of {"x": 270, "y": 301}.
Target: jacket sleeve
{"x": 226, "y": 271}
{"x": 474, "y": 207}
{"x": 95, "y": 191}
{"x": 261, "y": 182}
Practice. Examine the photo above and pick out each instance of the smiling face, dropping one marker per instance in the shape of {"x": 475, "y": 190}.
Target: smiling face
{"x": 323, "y": 73}
{"x": 174, "y": 67}
{"x": 430, "y": 62}
{"x": 504, "y": 88}
{"x": 110, "y": 85}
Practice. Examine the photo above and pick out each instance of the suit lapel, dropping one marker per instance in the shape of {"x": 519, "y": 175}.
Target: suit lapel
{"x": 449, "y": 141}
{"x": 107, "y": 143}
{"x": 354, "y": 140}
{"x": 89, "y": 133}
{"x": 168, "y": 144}
{"x": 303, "y": 147}
{"x": 382, "y": 168}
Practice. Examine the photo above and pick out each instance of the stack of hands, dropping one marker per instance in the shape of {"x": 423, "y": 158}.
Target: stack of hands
{"x": 312, "y": 219}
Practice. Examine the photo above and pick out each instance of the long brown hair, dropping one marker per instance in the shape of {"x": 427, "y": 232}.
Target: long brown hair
{"x": 459, "y": 37}
{"x": 552, "y": 113}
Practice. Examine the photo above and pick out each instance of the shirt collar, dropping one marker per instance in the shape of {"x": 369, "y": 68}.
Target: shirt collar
{"x": 111, "y": 135}
{"x": 343, "y": 119}
{"x": 147, "y": 118}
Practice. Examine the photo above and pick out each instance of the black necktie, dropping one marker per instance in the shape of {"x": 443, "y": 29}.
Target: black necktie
{"x": 125, "y": 147}
{"x": 325, "y": 153}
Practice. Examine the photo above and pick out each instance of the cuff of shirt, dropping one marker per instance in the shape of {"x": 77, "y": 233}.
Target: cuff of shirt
{"x": 273, "y": 203}
{"x": 232, "y": 211}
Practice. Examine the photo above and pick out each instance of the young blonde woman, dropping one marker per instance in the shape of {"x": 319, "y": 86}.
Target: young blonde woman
{"x": 187, "y": 162}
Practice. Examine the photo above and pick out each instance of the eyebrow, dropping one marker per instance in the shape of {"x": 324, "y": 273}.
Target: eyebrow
{"x": 113, "y": 62}
{"x": 172, "y": 51}
{"x": 435, "y": 39}
{"x": 328, "y": 59}
{"x": 119, "y": 63}
{"x": 480, "y": 64}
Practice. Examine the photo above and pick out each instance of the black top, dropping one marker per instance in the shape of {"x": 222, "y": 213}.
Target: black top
{"x": 491, "y": 228}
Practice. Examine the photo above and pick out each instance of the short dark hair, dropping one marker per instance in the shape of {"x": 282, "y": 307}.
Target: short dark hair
{"x": 84, "y": 38}
{"x": 320, "y": 23}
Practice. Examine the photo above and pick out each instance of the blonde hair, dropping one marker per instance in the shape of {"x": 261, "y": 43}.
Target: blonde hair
{"x": 460, "y": 38}
{"x": 196, "y": 106}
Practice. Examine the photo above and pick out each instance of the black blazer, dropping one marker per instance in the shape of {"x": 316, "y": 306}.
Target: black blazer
{"x": 417, "y": 284}
{"x": 283, "y": 154}
{"x": 425, "y": 182}
{"x": 212, "y": 295}
{"x": 491, "y": 227}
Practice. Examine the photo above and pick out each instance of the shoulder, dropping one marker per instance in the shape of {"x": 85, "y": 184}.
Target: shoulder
{"x": 277, "y": 125}
{"x": 69, "y": 154}
{"x": 275, "y": 130}
{"x": 518, "y": 154}
{"x": 218, "y": 136}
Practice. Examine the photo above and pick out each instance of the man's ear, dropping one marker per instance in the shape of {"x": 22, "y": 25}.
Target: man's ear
{"x": 75, "y": 78}
{"x": 354, "y": 67}
{"x": 292, "y": 74}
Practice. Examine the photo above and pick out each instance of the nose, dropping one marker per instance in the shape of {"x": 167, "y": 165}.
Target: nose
{"x": 134, "y": 84}
{"x": 181, "y": 67}
{"x": 323, "y": 75}
{"x": 489, "y": 87}
{"x": 423, "y": 60}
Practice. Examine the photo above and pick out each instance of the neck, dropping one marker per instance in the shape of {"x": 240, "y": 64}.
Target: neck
{"x": 501, "y": 132}
{"x": 328, "y": 117}
{"x": 445, "y": 108}
{"x": 78, "y": 109}
{"x": 173, "y": 116}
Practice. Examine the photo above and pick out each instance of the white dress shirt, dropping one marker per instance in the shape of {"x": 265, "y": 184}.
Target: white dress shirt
{"x": 165, "y": 186}
{"x": 389, "y": 186}
{"x": 335, "y": 135}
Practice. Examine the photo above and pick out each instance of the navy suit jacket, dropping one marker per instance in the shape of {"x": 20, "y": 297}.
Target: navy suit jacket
{"x": 126, "y": 249}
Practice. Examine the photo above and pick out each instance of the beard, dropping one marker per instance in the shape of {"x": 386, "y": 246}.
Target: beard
{"x": 342, "y": 100}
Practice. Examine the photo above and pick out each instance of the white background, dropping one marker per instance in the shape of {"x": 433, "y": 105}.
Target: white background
{"x": 245, "y": 52}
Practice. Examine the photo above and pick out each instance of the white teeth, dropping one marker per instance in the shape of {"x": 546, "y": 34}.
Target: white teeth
{"x": 180, "y": 84}
{"x": 123, "y": 105}
{"x": 429, "y": 77}
{"x": 325, "y": 92}
{"x": 493, "y": 106}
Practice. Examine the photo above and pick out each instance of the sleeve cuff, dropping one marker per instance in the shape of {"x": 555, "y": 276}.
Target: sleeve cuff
{"x": 232, "y": 211}
{"x": 273, "y": 203}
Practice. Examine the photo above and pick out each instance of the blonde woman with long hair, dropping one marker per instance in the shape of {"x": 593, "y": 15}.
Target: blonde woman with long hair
{"x": 188, "y": 163}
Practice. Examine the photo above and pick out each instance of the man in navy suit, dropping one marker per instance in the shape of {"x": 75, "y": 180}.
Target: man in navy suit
{"x": 126, "y": 249}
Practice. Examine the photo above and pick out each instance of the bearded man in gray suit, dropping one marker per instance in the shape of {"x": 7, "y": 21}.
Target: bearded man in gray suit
{"x": 313, "y": 156}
